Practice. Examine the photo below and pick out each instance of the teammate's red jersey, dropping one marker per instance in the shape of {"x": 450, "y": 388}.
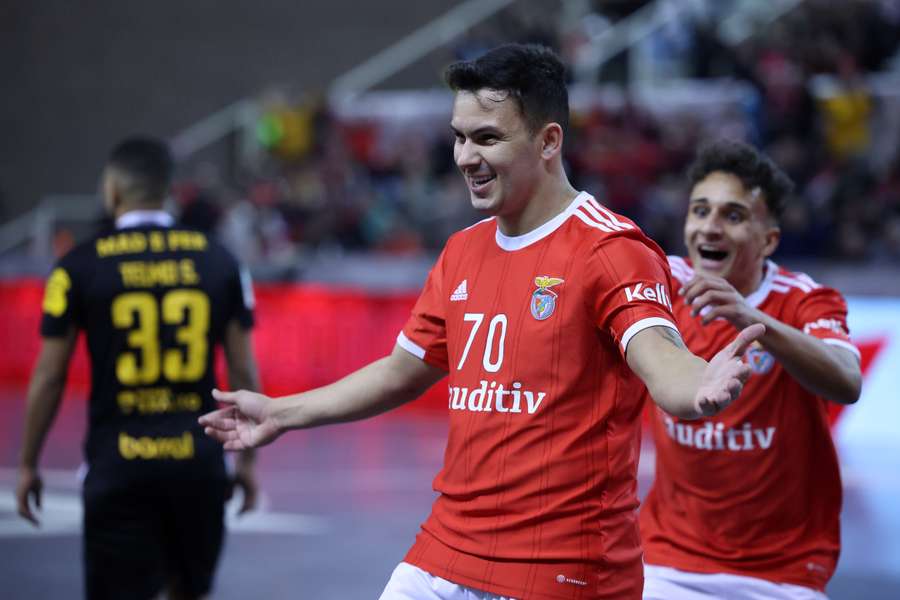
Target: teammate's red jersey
{"x": 537, "y": 492}
{"x": 755, "y": 490}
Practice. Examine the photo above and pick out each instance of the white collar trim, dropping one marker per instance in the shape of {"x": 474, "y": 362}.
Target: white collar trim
{"x": 513, "y": 243}
{"x": 765, "y": 286}
{"x": 137, "y": 218}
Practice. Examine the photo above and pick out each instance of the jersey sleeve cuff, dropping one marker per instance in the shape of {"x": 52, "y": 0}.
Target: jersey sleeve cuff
{"x": 843, "y": 344}
{"x": 410, "y": 346}
{"x": 642, "y": 325}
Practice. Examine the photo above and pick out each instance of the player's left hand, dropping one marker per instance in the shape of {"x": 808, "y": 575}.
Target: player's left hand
{"x": 28, "y": 490}
{"x": 726, "y": 374}
{"x": 712, "y": 297}
{"x": 244, "y": 477}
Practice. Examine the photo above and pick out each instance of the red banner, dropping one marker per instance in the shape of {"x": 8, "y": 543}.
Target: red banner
{"x": 305, "y": 335}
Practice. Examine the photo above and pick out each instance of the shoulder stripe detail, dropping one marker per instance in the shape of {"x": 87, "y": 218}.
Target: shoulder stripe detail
{"x": 781, "y": 289}
{"x": 795, "y": 282}
{"x": 609, "y": 214}
{"x": 642, "y": 325}
{"x": 680, "y": 270}
{"x": 843, "y": 344}
{"x": 676, "y": 260}
{"x": 798, "y": 280}
{"x": 410, "y": 346}
{"x": 806, "y": 279}
{"x": 590, "y": 222}
{"x": 591, "y": 210}
{"x": 681, "y": 275}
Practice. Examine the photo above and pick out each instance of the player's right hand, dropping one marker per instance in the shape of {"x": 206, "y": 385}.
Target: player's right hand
{"x": 245, "y": 423}
{"x": 28, "y": 487}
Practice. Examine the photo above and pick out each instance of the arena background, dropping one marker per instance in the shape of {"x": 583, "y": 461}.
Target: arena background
{"x": 313, "y": 139}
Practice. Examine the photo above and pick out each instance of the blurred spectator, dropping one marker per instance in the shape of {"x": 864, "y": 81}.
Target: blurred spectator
{"x": 201, "y": 211}
{"x": 846, "y": 110}
{"x": 387, "y": 183}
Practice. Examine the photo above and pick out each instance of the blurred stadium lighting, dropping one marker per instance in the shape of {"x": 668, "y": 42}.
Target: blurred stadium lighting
{"x": 413, "y": 47}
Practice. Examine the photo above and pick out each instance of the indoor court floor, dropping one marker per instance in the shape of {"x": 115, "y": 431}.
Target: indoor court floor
{"x": 341, "y": 506}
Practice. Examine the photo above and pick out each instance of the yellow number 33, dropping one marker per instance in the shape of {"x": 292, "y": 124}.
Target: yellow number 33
{"x": 138, "y": 312}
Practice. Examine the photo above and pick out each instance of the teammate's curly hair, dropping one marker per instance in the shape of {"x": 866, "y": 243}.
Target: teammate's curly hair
{"x": 752, "y": 167}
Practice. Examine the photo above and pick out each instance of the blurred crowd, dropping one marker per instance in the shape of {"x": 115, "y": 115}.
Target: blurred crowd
{"x": 823, "y": 89}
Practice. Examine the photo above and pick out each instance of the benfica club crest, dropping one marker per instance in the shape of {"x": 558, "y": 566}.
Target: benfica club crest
{"x": 760, "y": 361}
{"x": 543, "y": 300}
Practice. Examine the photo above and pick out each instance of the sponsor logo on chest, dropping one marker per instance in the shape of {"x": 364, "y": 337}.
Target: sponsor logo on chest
{"x": 714, "y": 437}
{"x": 493, "y": 396}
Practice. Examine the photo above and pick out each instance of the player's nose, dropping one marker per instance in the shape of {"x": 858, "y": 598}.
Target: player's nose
{"x": 711, "y": 226}
{"x": 467, "y": 157}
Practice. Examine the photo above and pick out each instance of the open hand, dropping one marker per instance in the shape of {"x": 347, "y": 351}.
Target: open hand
{"x": 726, "y": 374}
{"x": 246, "y": 423}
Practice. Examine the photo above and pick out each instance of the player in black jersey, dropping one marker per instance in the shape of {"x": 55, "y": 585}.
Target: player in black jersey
{"x": 154, "y": 300}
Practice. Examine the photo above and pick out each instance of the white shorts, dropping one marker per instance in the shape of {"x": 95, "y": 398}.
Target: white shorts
{"x": 665, "y": 583}
{"x": 412, "y": 583}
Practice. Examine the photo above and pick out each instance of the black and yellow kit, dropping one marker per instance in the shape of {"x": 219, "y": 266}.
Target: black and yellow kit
{"x": 154, "y": 302}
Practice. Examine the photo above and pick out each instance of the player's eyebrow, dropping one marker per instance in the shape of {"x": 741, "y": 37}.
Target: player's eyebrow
{"x": 738, "y": 206}
{"x": 732, "y": 204}
{"x": 486, "y": 129}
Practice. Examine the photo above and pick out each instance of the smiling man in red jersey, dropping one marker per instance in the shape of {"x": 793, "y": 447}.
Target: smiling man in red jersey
{"x": 746, "y": 503}
{"x": 548, "y": 318}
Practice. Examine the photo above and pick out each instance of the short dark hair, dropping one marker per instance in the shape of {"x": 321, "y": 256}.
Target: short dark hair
{"x": 752, "y": 167}
{"x": 148, "y": 162}
{"x": 532, "y": 75}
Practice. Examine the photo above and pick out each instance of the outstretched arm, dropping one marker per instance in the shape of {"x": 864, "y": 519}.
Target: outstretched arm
{"x": 252, "y": 420}
{"x": 825, "y": 370}
{"x": 44, "y": 394}
{"x": 685, "y": 385}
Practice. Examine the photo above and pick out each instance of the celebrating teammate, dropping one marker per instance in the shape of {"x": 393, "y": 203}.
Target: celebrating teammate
{"x": 154, "y": 300}
{"x": 746, "y": 503}
{"x": 549, "y": 318}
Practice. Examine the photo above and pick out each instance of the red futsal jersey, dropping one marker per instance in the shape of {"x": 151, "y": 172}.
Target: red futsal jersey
{"x": 755, "y": 490}
{"x": 537, "y": 492}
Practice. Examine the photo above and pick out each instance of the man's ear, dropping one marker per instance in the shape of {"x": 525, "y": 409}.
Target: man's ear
{"x": 551, "y": 140}
{"x": 111, "y": 189}
{"x": 773, "y": 237}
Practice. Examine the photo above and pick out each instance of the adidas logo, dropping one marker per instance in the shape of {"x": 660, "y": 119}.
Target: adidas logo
{"x": 460, "y": 293}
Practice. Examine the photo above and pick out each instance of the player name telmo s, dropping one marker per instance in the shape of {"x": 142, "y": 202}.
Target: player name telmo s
{"x": 492, "y": 396}
{"x": 150, "y": 273}
{"x": 714, "y": 436}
